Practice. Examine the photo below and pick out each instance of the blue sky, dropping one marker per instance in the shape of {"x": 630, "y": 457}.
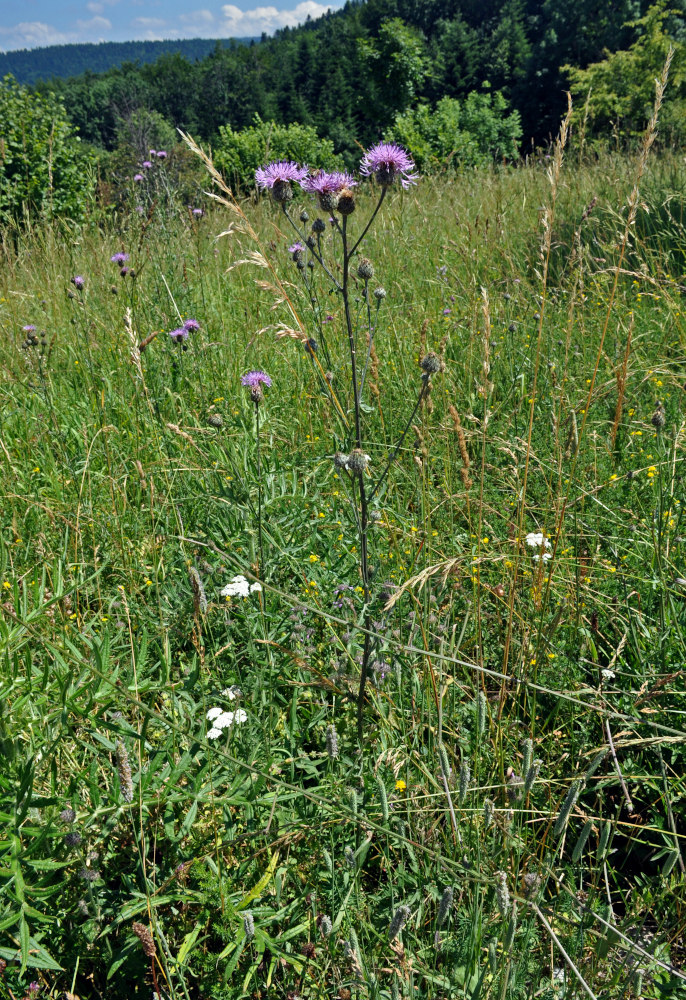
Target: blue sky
{"x": 31, "y": 23}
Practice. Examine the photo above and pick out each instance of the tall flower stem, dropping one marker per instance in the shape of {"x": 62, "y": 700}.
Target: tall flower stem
{"x": 363, "y": 502}
{"x": 259, "y": 487}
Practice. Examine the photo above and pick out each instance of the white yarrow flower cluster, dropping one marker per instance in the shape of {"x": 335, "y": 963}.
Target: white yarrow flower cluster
{"x": 222, "y": 720}
{"x": 537, "y": 540}
{"x": 239, "y": 587}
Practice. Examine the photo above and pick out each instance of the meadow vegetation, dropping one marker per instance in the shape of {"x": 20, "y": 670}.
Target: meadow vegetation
{"x": 198, "y": 798}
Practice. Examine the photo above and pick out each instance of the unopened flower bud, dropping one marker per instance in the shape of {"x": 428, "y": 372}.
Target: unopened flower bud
{"x": 357, "y": 461}
{"x": 365, "y": 269}
{"x": 346, "y": 201}
{"x": 432, "y": 364}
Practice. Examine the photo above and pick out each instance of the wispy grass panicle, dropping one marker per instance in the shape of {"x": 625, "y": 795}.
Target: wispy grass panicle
{"x": 568, "y": 804}
{"x": 199, "y": 595}
{"x": 502, "y": 893}
{"x": 383, "y": 797}
{"x": 465, "y": 778}
{"x": 400, "y": 918}
{"x": 332, "y": 742}
{"x": 445, "y": 905}
{"x": 531, "y": 775}
{"x": 124, "y": 771}
{"x": 146, "y": 939}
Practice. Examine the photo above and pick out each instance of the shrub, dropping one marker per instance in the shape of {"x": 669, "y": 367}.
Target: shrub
{"x": 468, "y": 134}
{"x": 239, "y": 154}
{"x": 43, "y": 170}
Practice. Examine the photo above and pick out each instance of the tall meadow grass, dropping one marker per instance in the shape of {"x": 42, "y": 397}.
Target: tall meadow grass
{"x": 499, "y": 812}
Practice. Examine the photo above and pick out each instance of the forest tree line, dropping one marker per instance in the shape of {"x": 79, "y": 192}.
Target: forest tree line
{"x": 352, "y": 72}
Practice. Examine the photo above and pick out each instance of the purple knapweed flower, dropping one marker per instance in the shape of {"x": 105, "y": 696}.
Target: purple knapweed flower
{"x": 179, "y": 335}
{"x": 191, "y": 325}
{"x": 296, "y": 247}
{"x": 140, "y": 209}
{"x": 255, "y": 378}
{"x": 277, "y": 178}
{"x": 387, "y": 161}
{"x": 153, "y": 152}
{"x": 284, "y": 171}
{"x": 447, "y": 311}
{"x": 29, "y": 328}
{"x": 198, "y": 213}
{"x": 138, "y": 178}
{"x": 119, "y": 258}
{"x": 161, "y": 154}
{"x": 146, "y": 164}
{"x": 328, "y": 183}
{"x": 78, "y": 281}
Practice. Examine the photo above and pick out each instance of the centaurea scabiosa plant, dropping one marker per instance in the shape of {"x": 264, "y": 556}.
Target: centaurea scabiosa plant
{"x": 348, "y": 273}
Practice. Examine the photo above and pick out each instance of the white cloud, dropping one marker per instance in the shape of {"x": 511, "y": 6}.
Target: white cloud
{"x": 204, "y": 17}
{"x": 238, "y": 23}
{"x": 148, "y": 22}
{"x": 93, "y": 26}
{"x": 30, "y": 34}
{"x": 95, "y": 8}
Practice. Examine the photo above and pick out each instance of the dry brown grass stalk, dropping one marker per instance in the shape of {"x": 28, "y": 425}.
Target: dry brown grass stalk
{"x": 462, "y": 445}
{"x": 621, "y": 376}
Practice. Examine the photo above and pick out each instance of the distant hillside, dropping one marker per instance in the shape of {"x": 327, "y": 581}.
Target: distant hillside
{"x": 62, "y": 61}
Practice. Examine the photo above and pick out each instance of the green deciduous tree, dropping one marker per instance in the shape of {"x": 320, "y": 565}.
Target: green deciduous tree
{"x": 239, "y": 154}
{"x": 43, "y": 170}
{"x": 467, "y": 133}
{"x": 620, "y": 88}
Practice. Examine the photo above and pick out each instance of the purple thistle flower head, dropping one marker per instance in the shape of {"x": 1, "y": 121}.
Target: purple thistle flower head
{"x": 254, "y": 378}
{"x": 29, "y": 328}
{"x": 119, "y": 258}
{"x": 179, "y": 335}
{"x": 140, "y": 209}
{"x": 147, "y": 164}
{"x": 191, "y": 325}
{"x": 78, "y": 281}
{"x": 161, "y": 154}
{"x": 277, "y": 178}
{"x": 138, "y": 178}
{"x": 386, "y": 161}
{"x": 447, "y": 311}
{"x": 198, "y": 213}
{"x": 153, "y": 152}
{"x": 296, "y": 247}
{"x": 328, "y": 183}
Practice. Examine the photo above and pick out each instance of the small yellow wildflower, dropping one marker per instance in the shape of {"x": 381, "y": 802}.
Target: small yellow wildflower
{"x": 313, "y": 558}
{"x": 400, "y": 785}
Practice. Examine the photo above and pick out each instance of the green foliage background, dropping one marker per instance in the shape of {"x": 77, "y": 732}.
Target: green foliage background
{"x": 43, "y": 170}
